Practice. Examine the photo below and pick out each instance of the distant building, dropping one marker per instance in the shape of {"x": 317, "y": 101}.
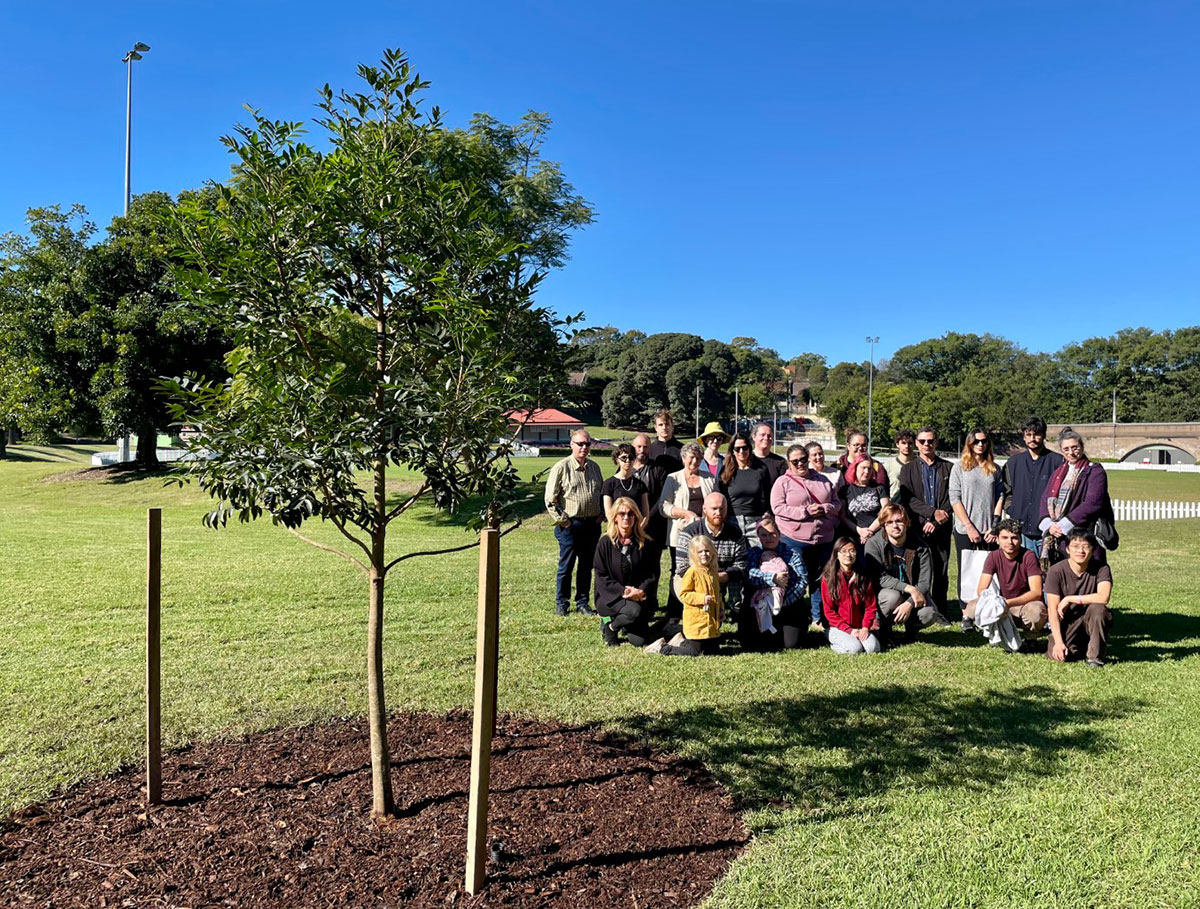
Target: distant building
{"x": 545, "y": 425}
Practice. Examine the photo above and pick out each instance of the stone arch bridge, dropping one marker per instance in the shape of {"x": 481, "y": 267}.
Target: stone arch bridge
{"x": 1154, "y": 443}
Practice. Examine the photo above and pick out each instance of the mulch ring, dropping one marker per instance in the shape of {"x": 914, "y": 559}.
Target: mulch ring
{"x": 577, "y": 817}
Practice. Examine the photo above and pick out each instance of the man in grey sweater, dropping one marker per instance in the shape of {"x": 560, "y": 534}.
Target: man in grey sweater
{"x": 903, "y": 569}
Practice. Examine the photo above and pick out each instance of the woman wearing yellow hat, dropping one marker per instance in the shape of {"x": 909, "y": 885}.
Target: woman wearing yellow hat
{"x": 711, "y": 441}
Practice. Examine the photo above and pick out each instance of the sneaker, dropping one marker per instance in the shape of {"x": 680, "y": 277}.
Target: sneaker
{"x": 677, "y": 640}
{"x": 560, "y": 609}
{"x": 941, "y": 621}
{"x": 968, "y": 624}
{"x": 656, "y": 647}
{"x": 585, "y": 609}
{"x": 1096, "y": 664}
{"x": 611, "y": 639}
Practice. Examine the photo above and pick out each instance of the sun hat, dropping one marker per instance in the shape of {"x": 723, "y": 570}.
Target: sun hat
{"x": 713, "y": 429}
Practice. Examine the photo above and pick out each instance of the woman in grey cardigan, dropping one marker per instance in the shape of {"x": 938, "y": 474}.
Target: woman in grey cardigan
{"x": 977, "y": 498}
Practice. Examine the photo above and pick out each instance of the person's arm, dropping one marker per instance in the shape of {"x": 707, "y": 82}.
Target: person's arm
{"x": 609, "y": 586}
{"x": 645, "y": 510}
{"x": 666, "y": 501}
{"x": 689, "y": 595}
{"x": 985, "y": 581}
{"x": 958, "y": 507}
{"x": 1032, "y": 594}
{"x": 1058, "y": 647}
{"x": 737, "y": 569}
{"x": 757, "y": 577}
{"x": 781, "y": 507}
{"x": 796, "y": 563}
{"x": 830, "y": 609}
{"x": 875, "y": 555}
{"x": 915, "y": 494}
{"x": 1092, "y": 502}
{"x": 682, "y": 544}
{"x": 608, "y": 506}
{"x": 870, "y": 608}
{"x": 554, "y": 495}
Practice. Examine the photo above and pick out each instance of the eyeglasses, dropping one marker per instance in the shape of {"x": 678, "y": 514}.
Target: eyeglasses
{"x": 899, "y": 521}
{"x": 926, "y": 441}
{"x": 797, "y": 462}
{"x": 583, "y": 444}
{"x": 625, "y": 459}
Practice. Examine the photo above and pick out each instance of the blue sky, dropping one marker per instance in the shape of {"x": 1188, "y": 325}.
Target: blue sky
{"x": 805, "y": 173}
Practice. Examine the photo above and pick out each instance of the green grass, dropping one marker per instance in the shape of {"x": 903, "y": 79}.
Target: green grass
{"x": 943, "y": 774}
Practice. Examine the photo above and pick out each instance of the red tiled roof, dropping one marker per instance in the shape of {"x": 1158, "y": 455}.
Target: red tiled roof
{"x": 545, "y": 416}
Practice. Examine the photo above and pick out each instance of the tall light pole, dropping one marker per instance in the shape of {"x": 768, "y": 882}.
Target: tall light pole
{"x": 871, "y": 389}
{"x": 134, "y": 53}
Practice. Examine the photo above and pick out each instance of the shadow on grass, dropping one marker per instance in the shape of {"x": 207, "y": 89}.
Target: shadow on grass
{"x": 822, "y": 751}
{"x": 1152, "y": 637}
{"x": 530, "y": 502}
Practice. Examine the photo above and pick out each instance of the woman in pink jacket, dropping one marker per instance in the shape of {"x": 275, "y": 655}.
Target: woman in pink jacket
{"x": 807, "y": 510}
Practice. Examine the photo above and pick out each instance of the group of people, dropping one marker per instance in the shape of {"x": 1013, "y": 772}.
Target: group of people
{"x": 859, "y": 550}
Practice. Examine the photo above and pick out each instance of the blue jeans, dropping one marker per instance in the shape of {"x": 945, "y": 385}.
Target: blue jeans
{"x": 1033, "y": 544}
{"x": 576, "y": 551}
{"x": 816, "y": 557}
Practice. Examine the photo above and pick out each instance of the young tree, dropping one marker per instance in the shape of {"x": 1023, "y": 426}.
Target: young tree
{"x": 381, "y": 299}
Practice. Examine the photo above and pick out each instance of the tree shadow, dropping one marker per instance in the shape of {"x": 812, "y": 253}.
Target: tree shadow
{"x": 529, "y": 503}
{"x": 825, "y": 750}
{"x": 1154, "y": 637}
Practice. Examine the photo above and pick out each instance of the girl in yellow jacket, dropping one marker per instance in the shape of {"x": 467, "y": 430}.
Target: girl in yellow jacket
{"x": 703, "y": 609}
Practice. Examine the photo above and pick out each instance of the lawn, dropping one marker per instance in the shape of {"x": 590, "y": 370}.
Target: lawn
{"x": 942, "y": 774}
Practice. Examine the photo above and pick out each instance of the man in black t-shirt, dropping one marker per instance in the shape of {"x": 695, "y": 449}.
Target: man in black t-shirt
{"x": 664, "y": 451}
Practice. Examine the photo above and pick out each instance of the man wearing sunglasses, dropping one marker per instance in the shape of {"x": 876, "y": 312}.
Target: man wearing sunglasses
{"x": 925, "y": 495}
{"x": 574, "y": 499}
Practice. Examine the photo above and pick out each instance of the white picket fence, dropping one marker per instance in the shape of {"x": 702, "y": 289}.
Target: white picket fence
{"x": 1126, "y": 510}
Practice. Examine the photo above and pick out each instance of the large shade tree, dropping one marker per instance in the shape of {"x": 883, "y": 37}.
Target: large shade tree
{"x": 381, "y": 297}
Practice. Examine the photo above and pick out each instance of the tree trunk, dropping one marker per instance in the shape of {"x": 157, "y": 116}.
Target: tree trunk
{"x": 382, "y": 802}
{"x": 147, "y": 448}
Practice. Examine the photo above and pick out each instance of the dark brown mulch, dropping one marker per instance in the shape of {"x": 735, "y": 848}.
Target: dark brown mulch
{"x": 580, "y": 818}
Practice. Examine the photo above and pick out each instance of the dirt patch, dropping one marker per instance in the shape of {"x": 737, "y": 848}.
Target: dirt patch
{"x": 112, "y": 473}
{"x": 578, "y": 818}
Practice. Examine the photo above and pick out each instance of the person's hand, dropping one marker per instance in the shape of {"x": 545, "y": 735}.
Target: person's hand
{"x": 564, "y": 524}
{"x": 710, "y": 600}
{"x": 627, "y": 593}
{"x": 864, "y": 534}
{"x": 1055, "y": 530}
{"x": 636, "y": 594}
{"x": 815, "y": 509}
{"x": 1058, "y": 651}
{"x": 974, "y": 535}
{"x": 862, "y": 633}
{"x": 691, "y": 516}
{"x": 928, "y": 527}
{"x": 723, "y": 577}
{"x": 989, "y": 537}
{"x": 941, "y": 516}
{"x": 1061, "y": 608}
{"x": 917, "y": 597}
{"x": 903, "y": 611}
{"x": 781, "y": 579}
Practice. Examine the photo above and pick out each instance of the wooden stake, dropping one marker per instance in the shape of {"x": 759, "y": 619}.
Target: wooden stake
{"x": 153, "y": 648}
{"x": 485, "y": 707}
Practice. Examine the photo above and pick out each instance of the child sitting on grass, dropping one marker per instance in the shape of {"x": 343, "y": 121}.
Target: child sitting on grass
{"x": 703, "y": 608}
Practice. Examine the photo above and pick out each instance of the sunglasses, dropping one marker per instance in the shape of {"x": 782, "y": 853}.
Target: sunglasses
{"x": 797, "y": 462}
{"x": 583, "y": 444}
{"x": 979, "y": 441}
{"x": 625, "y": 458}
{"x": 926, "y": 441}
{"x": 624, "y": 514}
{"x": 741, "y": 447}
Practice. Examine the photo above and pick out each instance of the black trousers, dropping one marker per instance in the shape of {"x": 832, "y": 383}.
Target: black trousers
{"x": 632, "y": 619}
{"x": 939, "y": 552}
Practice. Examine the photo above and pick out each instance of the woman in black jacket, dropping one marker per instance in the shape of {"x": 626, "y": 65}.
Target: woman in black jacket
{"x": 625, "y": 578}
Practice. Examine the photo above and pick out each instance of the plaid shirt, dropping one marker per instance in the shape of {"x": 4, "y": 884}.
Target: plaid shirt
{"x": 573, "y": 491}
{"x": 730, "y": 543}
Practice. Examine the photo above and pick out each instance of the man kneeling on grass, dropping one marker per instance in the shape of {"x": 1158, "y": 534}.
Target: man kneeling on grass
{"x": 1077, "y": 592}
{"x": 1019, "y": 577}
{"x": 903, "y": 568}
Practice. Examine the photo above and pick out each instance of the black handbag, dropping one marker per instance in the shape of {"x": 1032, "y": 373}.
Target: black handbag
{"x": 1105, "y": 531}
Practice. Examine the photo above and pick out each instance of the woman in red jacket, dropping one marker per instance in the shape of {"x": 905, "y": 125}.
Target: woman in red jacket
{"x": 848, "y": 596}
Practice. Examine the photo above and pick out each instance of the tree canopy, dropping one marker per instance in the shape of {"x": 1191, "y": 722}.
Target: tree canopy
{"x": 380, "y": 296}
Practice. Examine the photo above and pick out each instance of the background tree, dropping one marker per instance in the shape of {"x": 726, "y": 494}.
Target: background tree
{"x": 42, "y": 388}
{"x": 380, "y": 294}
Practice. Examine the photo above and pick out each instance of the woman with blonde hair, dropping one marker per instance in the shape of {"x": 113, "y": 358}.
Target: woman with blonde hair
{"x": 625, "y": 577}
{"x": 977, "y": 499}
{"x": 682, "y": 502}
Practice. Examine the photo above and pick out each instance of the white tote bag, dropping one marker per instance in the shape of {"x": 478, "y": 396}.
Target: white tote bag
{"x": 972, "y": 568}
